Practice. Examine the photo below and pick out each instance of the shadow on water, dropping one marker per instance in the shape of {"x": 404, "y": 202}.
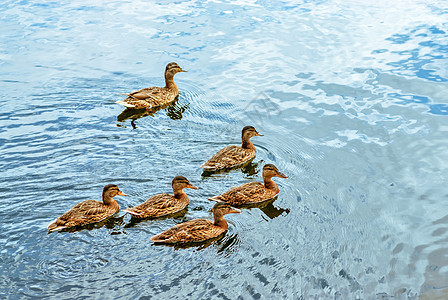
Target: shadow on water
{"x": 267, "y": 207}
{"x": 224, "y": 244}
{"x": 197, "y": 245}
{"x": 249, "y": 168}
{"x": 273, "y": 212}
{"x": 227, "y": 244}
{"x": 112, "y": 223}
{"x": 135, "y": 221}
{"x": 174, "y": 111}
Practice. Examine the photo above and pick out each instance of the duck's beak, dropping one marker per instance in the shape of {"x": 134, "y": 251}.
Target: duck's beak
{"x": 257, "y": 134}
{"x": 234, "y": 210}
{"x": 192, "y": 187}
{"x": 281, "y": 175}
{"x": 181, "y": 70}
{"x": 120, "y": 193}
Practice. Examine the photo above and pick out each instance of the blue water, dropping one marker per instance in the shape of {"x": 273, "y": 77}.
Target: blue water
{"x": 351, "y": 98}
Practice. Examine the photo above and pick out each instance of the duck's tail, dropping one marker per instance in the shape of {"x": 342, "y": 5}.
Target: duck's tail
{"x": 216, "y": 198}
{"x": 129, "y": 211}
{"x": 125, "y": 104}
{"x": 160, "y": 239}
{"x": 53, "y": 226}
{"x": 208, "y": 168}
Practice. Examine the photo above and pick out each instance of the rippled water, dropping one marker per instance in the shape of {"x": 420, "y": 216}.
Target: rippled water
{"x": 352, "y": 101}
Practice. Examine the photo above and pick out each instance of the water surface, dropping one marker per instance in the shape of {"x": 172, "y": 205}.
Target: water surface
{"x": 352, "y": 101}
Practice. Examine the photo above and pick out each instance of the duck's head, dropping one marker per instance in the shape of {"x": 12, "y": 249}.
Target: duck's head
{"x": 111, "y": 190}
{"x": 248, "y": 132}
{"x": 221, "y": 208}
{"x": 180, "y": 182}
{"x": 173, "y": 68}
{"x": 269, "y": 171}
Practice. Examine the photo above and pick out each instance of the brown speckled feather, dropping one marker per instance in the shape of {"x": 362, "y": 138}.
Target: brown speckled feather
{"x": 150, "y": 97}
{"x": 252, "y": 192}
{"x": 158, "y": 206}
{"x": 86, "y": 212}
{"x": 198, "y": 230}
{"x": 228, "y": 157}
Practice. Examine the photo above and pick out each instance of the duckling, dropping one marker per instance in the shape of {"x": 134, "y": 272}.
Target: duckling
{"x": 233, "y": 156}
{"x": 198, "y": 230}
{"x": 253, "y": 192}
{"x": 163, "y": 204}
{"x": 153, "y": 97}
{"x": 89, "y": 211}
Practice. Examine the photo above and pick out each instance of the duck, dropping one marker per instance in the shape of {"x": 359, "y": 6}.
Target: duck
{"x": 163, "y": 204}
{"x": 154, "y": 97}
{"x": 233, "y": 156}
{"x": 198, "y": 230}
{"x": 253, "y": 192}
{"x": 89, "y": 211}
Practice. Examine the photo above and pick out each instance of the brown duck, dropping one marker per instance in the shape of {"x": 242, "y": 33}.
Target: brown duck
{"x": 153, "y": 97}
{"x": 233, "y": 156}
{"x": 198, "y": 230}
{"x": 163, "y": 204}
{"x": 89, "y": 211}
{"x": 253, "y": 192}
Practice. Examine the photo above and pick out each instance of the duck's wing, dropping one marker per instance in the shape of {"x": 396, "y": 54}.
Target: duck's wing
{"x": 147, "y": 93}
{"x": 144, "y": 98}
{"x": 149, "y": 98}
{"x": 192, "y": 231}
{"x": 157, "y": 206}
{"x": 82, "y": 213}
{"x": 228, "y": 157}
{"x": 82, "y": 209}
{"x": 252, "y": 192}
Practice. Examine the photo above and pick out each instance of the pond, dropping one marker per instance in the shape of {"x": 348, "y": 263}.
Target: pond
{"x": 351, "y": 100}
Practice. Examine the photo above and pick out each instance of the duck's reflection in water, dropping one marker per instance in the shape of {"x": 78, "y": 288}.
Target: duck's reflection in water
{"x": 249, "y": 168}
{"x": 174, "y": 111}
{"x": 224, "y": 244}
{"x": 268, "y": 208}
{"x": 228, "y": 244}
{"x": 112, "y": 223}
{"x": 273, "y": 212}
{"x": 197, "y": 245}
